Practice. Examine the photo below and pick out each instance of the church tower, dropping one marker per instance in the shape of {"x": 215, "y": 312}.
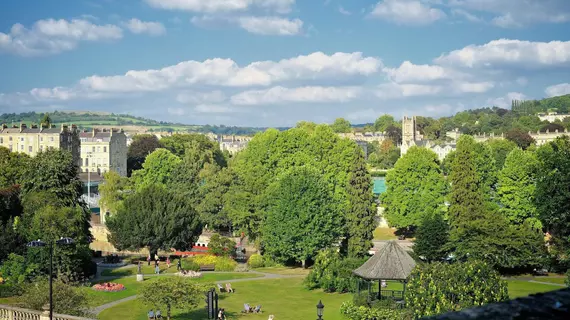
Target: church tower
{"x": 408, "y": 129}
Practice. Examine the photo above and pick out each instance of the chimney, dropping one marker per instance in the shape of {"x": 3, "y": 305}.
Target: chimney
{"x": 93, "y": 132}
{"x": 34, "y": 126}
{"x": 111, "y": 132}
{"x": 63, "y": 127}
{"x": 4, "y": 126}
{"x": 22, "y": 127}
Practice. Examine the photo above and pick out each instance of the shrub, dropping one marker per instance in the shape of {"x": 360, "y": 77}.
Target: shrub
{"x": 70, "y": 300}
{"x": 567, "y": 281}
{"x": 221, "y": 246}
{"x": 354, "y": 312}
{"x": 438, "y": 288}
{"x": 256, "y": 261}
{"x": 15, "y": 270}
{"x": 225, "y": 264}
{"x": 332, "y": 273}
{"x": 190, "y": 264}
{"x": 205, "y": 259}
{"x": 9, "y": 290}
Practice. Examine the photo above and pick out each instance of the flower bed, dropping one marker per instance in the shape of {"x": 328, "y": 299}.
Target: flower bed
{"x": 109, "y": 287}
{"x": 190, "y": 274}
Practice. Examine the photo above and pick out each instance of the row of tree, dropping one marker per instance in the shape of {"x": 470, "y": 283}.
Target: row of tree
{"x": 492, "y": 201}
{"x": 294, "y": 192}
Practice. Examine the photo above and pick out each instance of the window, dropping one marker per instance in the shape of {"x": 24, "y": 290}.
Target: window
{"x": 10, "y": 139}
{"x": 30, "y": 149}
{"x": 21, "y": 139}
{"x": 98, "y": 149}
{"x": 83, "y": 139}
{"x": 22, "y": 147}
{"x": 10, "y": 148}
{"x": 93, "y": 149}
{"x": 1, "y": 140}
{"x": 86, "y": 162}
{"x": 104, "y": 149}
{"x": 42, "y": 139}
{"x": 41, "y": 148}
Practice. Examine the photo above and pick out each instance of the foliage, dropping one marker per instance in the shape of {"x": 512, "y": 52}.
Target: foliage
{"x": 178, "y": 144}
{"x": 11, "y": 241}
{"x": 256, "y": 261}
{"x": 501, "y": 148}
{"x": 113, "y": 191}
{"x": 211, "y": 195}
{"x": 139, "y": 149}
{"x": 225, "y": 264}
{"x": 341, "y": 125}
{"x": 10, "y": 204}
{"x": 12, "y": 167}
{"x": 67, "y": 299}
{"x": 431, "y": 237}
{"x": 353, "y": 312}
{"x": 172, "y": 292}
{"x": 16, "y": 271}
{"x": 438, "y": 288}
{"x": 383, "y": 155}
{"x": 155, "y": 218}
{"x": 300, "y": 203}
{"x": 361, "y": 208}
{"x": 415, "y": 188}
{"x": 567, "y": 280}
{"x": 332, "y": 273}
{"x": 553, "y": 192}
{"x": 190, "y": 264}
{"x": 157, "y": 169}
{"x": 206, "y": 259}
{"x": 221, "y": 246}
{"x": 383, "y": 122}
{"x": 520, "y": 137}
{"x": 517, "y": 187}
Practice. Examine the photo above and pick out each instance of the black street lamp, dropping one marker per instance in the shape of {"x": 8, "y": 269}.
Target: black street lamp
{"x": 39, "y": 243}
{"x": 320, "y": 308}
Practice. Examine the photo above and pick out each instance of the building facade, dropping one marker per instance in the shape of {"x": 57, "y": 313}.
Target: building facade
{"x": 35, "y": 139}
{"x": 552, "y": 116}
{"x": 104, "y": 150}
{"x": 412, "y": 138}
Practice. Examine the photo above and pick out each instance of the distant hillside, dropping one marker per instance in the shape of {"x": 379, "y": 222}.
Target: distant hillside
{"x": 88, "y": 120}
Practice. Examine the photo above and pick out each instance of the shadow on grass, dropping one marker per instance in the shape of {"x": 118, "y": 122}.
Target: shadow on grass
{"x": 201, "y": 314}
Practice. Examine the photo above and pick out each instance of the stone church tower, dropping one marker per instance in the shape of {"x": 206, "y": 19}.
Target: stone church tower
{"x": 409, "y": 130}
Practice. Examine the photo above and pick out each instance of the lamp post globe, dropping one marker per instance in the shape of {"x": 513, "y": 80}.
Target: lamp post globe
{"x": 320, "y": 307}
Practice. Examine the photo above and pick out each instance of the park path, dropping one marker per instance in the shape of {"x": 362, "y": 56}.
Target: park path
{"x": 103, "y": 307}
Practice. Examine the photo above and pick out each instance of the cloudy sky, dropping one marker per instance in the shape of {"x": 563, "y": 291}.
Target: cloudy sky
{"x": 275, "y": 62}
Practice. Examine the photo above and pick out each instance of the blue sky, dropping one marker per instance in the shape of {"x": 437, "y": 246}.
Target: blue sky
{"x": 276, "y": 62}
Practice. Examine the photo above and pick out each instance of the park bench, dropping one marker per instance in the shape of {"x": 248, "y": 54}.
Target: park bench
{"x": 207, "y": 267}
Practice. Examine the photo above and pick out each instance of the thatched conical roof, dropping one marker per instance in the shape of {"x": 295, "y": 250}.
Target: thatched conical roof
{"x": 391, "y": 262}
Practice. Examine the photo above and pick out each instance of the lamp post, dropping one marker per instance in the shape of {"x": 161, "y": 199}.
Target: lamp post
{"x": 320, "y": 308}
{"x": 39, "y": 243}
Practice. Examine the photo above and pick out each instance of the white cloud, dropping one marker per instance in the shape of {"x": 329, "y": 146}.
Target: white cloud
{"x": 558, "y": 90}
{"x": 343, "y": 11}
{"x": 271, "y": 25}
{"x": 518, "y": 13}
{"x": 505, "y": 102}
{"x": 149, "y": 27}
{"x": 278, "y": 95}
{"x": 409, "y": 72}
{"x": 408, "y": 12}
{"x": 468, "y": 16}
{"x": 212, "y": 108}
{"x": 510, "y": 53}
{"x": 214, "y": 6}
{"x": 393, "y": 90}
{"x": 54, "y": 36}
{"x": 201, "y": 97}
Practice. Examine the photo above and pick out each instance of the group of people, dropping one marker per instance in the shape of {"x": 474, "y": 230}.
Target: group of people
{"x": 157, "y": 263}
{"x": 153, "y": 315}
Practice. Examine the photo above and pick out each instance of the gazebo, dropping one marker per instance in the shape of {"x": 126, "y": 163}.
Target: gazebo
{"x": 390, "y": 263}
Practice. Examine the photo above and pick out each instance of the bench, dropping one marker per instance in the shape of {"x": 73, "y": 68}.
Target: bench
{"x": 207, "y": 267}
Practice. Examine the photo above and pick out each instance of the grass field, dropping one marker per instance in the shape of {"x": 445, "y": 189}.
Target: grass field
{"x": 384, "y": 234}
{"x": 284, "y": 271}
{"x": 132, "y": 270}
{"x": 520, "y": 288}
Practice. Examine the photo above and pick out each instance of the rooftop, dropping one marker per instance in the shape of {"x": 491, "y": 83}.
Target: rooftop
{"x": 391, "y": 262}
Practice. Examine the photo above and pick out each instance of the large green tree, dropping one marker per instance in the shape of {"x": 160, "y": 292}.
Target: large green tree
{"x": 553, "y": 192}
{"x": 168, "y": 293}
{"x": 415, "y": 188}
{"x": 341, "y": 125}
{"x": 383, "y": 122}
{"x": 139, "y": 149}
{"x": 361, "y": 209}
{"x": 501, "y": 148}
{"x": 517, "y": 187}
{"x": 113, "y": 191}
{"x": 154, "y": 218}
{"x": 158, "y": 169}
{"x": 12, "y": 167}
{"x": 211, "y": 205}
{"x": 302, "y": 216}
{"x": 179, "y": 143}
{"x": 431, "y": 238}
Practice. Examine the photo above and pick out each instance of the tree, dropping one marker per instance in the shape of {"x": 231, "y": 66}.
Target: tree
{"x": 179, "y": 143}
{"x": 520, "y": 137}
{"x": 46, "y": 120}
{"x": 12, "y": 167}
{"x": 395, "y": 133}
{"x": 211, "y": 204}
{"x": 172, "y": 292}
{"x": 221, "y": 246}
{"x": 155, "y": 218}
{"x": 383, "y": 122}
{"x": 385, "y": 155}
{"x": 11, "y": 241}
{"x": 113, "y": 191}
{"x": 501, "y": 148}
{"x": 361, "y": 209}
{"x": 300, "y": 204}
{"x": 517, "y": 187}
{"x": 157, "y": 169}
{"x": 67, "y": 298}
{"x": 553, "y": 191}
{"x": 431, "y": 237}
{"x": 140, "y": 148}
{"x": 415, "y": 188}
{"x": 437, "y": 288}
{"x": 341, "y": 125}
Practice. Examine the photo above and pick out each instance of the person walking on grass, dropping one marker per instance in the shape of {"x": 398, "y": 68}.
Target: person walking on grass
{"x": 168, "y": 262}
{"x": 179, "y": 265}
{"x": 156, "y": 267}
{"x": 148, "y": 259}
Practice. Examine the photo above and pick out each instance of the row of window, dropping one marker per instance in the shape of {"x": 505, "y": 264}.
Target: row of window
{"x": 86, "y": 149}
{"x": 31, "y": 139}
{"x": 95, "y": 162}
{"x": 22, "y": 149}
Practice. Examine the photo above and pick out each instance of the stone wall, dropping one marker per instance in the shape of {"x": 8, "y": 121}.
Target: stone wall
{"x": 553, "y": 305}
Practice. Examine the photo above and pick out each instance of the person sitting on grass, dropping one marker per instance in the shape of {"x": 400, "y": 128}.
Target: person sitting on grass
{"x": 257, "y": 309}
{"x": 151, "y": 315}
{"x": 229, "y": 288}
{"x": 158, "y": 314}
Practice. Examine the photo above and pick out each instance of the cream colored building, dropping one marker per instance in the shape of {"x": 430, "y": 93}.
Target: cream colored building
{"x": 34, "y": 139}
{"x": 104, "y": 150}
{"x": 552, "y": 116}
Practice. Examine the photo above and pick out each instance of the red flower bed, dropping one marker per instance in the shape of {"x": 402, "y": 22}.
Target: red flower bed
{"x": 109, "y": 287}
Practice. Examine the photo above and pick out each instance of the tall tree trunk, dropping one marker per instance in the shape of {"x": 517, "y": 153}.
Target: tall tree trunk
{"x": 168, "y": 312}
{"x": 303, "y": 263}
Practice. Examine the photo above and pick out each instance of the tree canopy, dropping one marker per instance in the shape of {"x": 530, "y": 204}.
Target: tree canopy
{"x": 140, "y": 148}
{"x": 168, "y": 293}
{"x": 341, "y": 125}
{"x": 157, "y": 169}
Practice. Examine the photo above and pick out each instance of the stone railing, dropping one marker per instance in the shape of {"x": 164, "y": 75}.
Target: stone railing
{"x": 13, "y": 313}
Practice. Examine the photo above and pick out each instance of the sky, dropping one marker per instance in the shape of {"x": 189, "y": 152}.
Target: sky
{"x": 277, "y": 62}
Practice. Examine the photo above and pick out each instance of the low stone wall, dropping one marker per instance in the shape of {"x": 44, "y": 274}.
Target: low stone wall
{"x": 554, "y": 305}
{"x": 13, "y": 313}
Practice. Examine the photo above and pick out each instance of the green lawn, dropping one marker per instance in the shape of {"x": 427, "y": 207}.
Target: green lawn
{"x": 558, "y": 280}
{"x": 97, "y": 298}
{"x": 384, "y": 234}
{"x": 284, "y": 298}
{"x": 132, "y": 270}
{"x": 520, "y": 288}
{"x": 284, "y": 271}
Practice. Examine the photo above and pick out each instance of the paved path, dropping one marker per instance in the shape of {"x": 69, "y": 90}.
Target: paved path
{"x": 265, "y": 276}
{"x": 549, "y": 283}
